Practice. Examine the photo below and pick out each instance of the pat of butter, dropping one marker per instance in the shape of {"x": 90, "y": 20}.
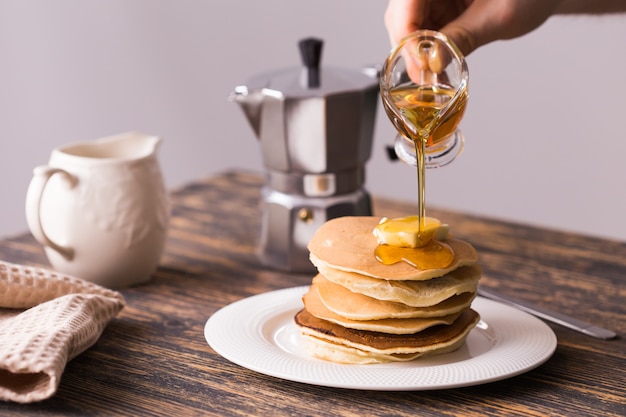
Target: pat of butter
{"x": 404, "y": 232}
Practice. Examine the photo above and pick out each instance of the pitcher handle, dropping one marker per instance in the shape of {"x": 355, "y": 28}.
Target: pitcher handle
{"x": 41, "y": 176}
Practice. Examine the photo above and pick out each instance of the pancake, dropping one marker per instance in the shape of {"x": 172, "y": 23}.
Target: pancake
{"x": 412, "y": 293}
{"x": 348, "y": 244}
{"x": 354, "y": 306}
{"x": 338, "y": 353}
{"x": 431, "y": 340}
{"x": 316, "y": 307}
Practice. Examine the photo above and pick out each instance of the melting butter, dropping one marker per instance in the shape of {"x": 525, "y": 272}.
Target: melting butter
{"x": 403, "y": 239}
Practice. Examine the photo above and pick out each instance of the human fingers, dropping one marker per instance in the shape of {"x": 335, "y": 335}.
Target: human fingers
{"x": 485, "y": 21}
{"x": 403, "y": 17}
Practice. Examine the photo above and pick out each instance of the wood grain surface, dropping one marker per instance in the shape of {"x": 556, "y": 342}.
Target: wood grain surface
{"x": 153, "y": 359}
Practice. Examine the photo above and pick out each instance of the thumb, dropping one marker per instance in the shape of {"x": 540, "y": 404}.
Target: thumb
{"x": 487, "y": 21}
{"x": 464, "y": 39}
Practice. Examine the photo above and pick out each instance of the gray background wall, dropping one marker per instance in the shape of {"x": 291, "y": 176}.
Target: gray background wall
{"x": 544, "y": 128}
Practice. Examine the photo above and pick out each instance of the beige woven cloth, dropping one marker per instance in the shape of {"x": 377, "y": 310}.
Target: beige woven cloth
{"x": 46, "y": 319}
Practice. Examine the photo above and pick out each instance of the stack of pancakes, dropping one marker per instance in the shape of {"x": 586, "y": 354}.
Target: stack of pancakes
{"x": 358, "y": 310}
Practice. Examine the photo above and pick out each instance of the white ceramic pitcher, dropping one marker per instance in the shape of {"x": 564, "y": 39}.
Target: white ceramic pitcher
{"x": 101, "y": 210}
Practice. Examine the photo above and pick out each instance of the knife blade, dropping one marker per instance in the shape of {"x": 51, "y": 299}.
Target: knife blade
{"x": 552, "y": 316}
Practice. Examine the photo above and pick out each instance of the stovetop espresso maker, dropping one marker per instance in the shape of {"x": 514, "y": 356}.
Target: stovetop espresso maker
{"x": 315, "y": 127}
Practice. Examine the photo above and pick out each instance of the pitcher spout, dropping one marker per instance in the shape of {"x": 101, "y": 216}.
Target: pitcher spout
{"x": 152, "y": 143}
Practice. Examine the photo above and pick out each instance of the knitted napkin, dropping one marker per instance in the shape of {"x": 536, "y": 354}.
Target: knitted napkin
{"x": 46, "y": 319}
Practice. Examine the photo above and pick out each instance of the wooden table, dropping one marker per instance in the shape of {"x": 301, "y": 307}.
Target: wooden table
{"x": 153, "y": 359}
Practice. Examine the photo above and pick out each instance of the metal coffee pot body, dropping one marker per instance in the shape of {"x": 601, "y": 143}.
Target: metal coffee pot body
{"x": 315, "y": 127}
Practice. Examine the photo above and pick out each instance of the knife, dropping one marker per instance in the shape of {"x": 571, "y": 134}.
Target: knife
{"x": 558, "y": 318}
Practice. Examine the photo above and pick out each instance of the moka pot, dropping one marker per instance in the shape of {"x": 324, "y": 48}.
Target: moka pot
{"x": 315, "y": 127}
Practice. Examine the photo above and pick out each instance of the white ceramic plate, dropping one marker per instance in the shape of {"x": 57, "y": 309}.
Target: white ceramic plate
{"x": 258, "y": 333}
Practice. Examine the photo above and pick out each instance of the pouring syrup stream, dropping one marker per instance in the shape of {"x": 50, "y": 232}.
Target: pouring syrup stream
{"x": 425, "y": 109}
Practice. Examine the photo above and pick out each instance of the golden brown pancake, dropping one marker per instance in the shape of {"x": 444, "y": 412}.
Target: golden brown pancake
{"x": 412, "y": 293}
{"x": 429, "y": 340}
{"x": 316, "y": 307}
{"x": 354, "y": 306}
{"x": 348, "y": 244}
{"x": 339, "y": 353}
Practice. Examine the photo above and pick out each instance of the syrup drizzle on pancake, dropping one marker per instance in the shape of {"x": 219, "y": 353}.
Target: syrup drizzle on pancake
{"x": 433, "y": 255}
{"x": 414, "y": 240}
